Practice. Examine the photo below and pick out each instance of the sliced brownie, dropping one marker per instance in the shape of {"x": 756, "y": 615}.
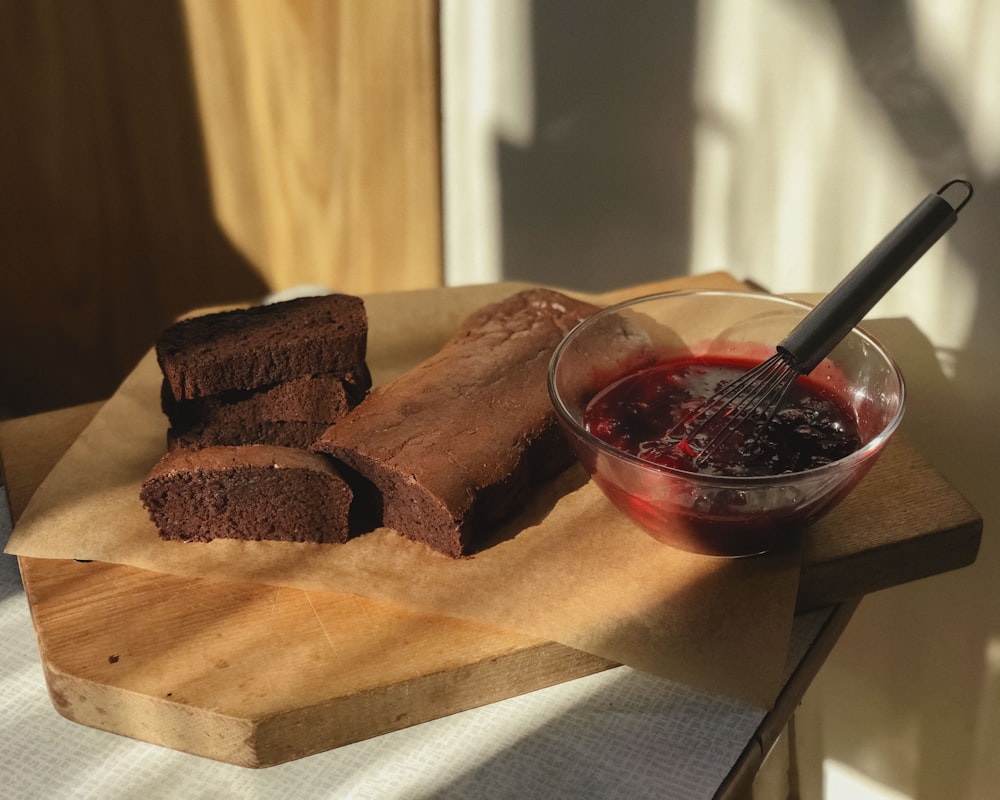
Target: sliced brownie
{"x": 262, "y": 346}
{"x": 253, "y": 492}
{"x": 292, "y": 414}
{"x": 454, "y": 444}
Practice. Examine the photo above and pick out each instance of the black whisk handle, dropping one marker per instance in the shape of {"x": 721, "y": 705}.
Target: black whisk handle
{"x": 844, "y": 307}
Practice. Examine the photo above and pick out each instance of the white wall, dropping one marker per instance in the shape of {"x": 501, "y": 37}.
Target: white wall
{"x": 596, "y": 143}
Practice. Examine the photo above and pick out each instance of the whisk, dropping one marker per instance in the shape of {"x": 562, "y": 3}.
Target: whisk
{"x": 757, "y": 395}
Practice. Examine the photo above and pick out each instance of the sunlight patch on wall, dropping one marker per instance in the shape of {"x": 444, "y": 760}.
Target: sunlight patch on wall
{"x": 840, "y": 782}
{"x": 956, "y": 41}
{"x": 487, "y": 96}
{"x": 986, "y": 768}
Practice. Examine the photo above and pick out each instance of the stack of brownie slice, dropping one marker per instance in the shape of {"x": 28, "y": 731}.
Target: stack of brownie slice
{"x": 271, "y": 374}
{"x": 246, "y": 393}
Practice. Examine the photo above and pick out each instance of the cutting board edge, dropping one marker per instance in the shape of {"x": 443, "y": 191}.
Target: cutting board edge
{"x": 377, "y": 711}
{"x": 823, "y": 585}
{"x": 296, "y": 733}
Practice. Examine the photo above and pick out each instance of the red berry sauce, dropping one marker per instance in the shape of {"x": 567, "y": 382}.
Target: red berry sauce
{"x": 813, "y": 427}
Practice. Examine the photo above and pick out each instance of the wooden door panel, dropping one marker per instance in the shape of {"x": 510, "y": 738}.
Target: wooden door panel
{"x": 166, "y": 155}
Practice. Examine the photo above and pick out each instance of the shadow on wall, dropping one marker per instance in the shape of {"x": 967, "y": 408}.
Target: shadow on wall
{"x": 106, "y": 223}
{"x": 605, "y": 186}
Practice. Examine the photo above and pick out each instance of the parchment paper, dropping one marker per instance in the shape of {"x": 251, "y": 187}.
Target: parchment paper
{"x": 569, "y": 568}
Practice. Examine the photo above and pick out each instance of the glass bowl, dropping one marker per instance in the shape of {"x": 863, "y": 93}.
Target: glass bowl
{"x": 717, "y": 514}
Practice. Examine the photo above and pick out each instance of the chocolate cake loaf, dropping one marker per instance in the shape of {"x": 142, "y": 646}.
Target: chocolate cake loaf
{"x": 453, "y": 445}
{"x": 262, "y": 346}
{"x": 254, "y": 492}
{"x": 292, "y": 414}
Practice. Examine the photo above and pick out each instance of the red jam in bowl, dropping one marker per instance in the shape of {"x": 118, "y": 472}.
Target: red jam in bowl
{"x": 753, "y": 492}
{"x": 813, "y": 427}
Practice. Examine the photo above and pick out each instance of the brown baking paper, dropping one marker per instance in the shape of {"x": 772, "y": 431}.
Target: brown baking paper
{"x": 569, "y": 568}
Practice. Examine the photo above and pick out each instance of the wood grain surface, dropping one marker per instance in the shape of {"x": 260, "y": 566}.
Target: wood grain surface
{"x": 321, "y": 128}
{"x": 167, "y": 155}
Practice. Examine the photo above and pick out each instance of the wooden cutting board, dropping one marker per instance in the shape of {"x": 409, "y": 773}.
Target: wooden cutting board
{"x": 245, "y": 673}
{"x": 256, "y": 675}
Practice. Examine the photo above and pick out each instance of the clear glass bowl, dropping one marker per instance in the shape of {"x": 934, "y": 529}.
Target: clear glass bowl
{"x": 718, "y": 515}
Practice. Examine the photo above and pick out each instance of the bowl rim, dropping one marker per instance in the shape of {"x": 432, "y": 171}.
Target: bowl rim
{"x": 870, "y": 448}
